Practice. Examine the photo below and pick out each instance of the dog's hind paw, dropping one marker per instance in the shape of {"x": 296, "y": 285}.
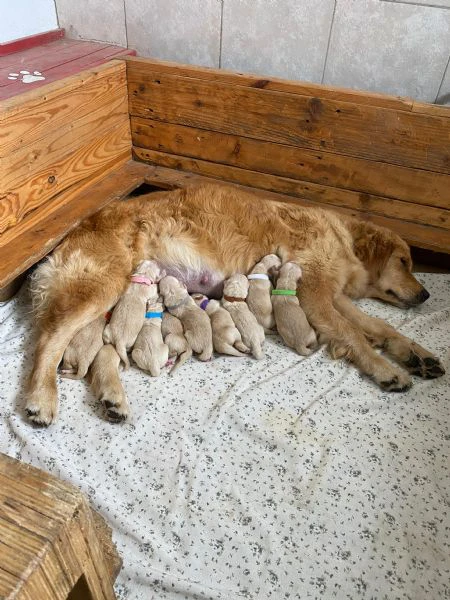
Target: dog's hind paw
{"x": 428, "y": 367}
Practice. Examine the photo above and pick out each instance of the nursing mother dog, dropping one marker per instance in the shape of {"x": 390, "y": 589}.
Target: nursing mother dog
{"x": 204, "y": 234}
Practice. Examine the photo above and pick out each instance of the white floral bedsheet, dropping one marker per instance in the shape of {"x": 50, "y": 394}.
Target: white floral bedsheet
{"x": 286, "y": 478}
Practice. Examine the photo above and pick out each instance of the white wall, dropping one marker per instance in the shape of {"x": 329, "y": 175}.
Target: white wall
{"x": 20, "y": 18}
{"x": 392, "y": 46}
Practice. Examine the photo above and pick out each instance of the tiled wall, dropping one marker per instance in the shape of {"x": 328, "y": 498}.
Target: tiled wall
{"x": 393, "y": 46}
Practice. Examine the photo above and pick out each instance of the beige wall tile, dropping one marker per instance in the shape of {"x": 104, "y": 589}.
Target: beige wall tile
{"x": 185, "y": 31}
{"x": 93, "y": 20}
{"x": 388, "y": 47}
{"x": 286, "y": 39}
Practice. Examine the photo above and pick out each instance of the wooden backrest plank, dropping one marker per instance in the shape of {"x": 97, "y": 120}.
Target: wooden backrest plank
{"x": 136, "y": 65}
{"x": 392, "y": 136}
{"x": 325, "y": 168}
{"x": 326, "y": 195}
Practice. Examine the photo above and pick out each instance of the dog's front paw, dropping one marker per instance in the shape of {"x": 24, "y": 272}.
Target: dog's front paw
{"x": 42, "y": 411}
{"x": 422, "y": 363}
{"x": 116, "y": 405}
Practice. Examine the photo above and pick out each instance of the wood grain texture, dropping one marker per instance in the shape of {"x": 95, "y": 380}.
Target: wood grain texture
{"x": 397, "y": 137}
{"x": 58, "y": 174}
{"x": 42, "y": 230}
{"x": 325, "y": 168}
{"x": 363, "y": 203}
{"x": 30, "y": 116}
{"x": 47, "y": 538}
{"x": 140, "y": 65}
{"x": 422, "y": 236}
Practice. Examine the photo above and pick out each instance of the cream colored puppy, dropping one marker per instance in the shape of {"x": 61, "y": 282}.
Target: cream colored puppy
{"x": 150, "y": 353}
{"x": 234, "y": 295}
{"x": 226, "y": 336}
{"x": 290, "y": 319}
{"x": 196, "y": 324}
{"x": 129, "y": 314}
{"x": 82, "y": 350}
{"x": 106, "y": 384}
{"x": 258, "y": 298}
{"x": 172, "y": 332}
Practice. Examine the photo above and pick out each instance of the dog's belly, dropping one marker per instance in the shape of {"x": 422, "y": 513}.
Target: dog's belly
{"x": 203, "y": 280}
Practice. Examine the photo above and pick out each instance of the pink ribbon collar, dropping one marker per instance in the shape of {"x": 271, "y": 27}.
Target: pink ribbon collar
{"x": 141, "y": 279}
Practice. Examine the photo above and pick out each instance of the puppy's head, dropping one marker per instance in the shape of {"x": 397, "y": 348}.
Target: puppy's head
{"x": 172, "y": 290}
{"x": 150, "y": 269}
{"x": 387, "y": 259}
{"x": 236, "y": 285}
{"x": 292, "y": 271}
{"x": 268, "y": 263}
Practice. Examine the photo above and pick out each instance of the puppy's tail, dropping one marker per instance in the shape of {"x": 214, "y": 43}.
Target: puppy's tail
{"x": 229, "y": 350}
{"x": 239, "y": 345}
{"x": 107, "y": 338}
{"x": 303, "y": 350}
{"x": 82, "y": 370}
{"x": 257, "y": 351}
{"x": 183, "y": 357}
{"x": 122, "y": 352}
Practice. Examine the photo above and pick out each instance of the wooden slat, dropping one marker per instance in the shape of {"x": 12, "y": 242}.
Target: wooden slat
{"x": 142, "y": 65}
{"x": 325, "y": 168}
{"x": 392, "y": 136}
{"x": 42, "y": 230}
{"x": 28, "y": 117}
{"x": 422, "y": 236}
{"x": 61, "y": 173}
{"x": 310, "y": 191}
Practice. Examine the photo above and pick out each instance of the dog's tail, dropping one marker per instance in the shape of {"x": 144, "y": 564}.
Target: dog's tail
{"x": 182, "y": 358}
{"x": 229, "y": 350}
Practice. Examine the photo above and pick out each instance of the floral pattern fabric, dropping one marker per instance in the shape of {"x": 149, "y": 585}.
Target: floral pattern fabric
{"x": 286, "y": 478}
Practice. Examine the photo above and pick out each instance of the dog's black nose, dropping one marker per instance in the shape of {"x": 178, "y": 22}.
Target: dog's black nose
{"x": 422, "y": 296}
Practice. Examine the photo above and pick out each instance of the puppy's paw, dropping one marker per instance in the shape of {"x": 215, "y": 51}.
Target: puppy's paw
{"x": 42, "y": 410}
{"x": 422, "y": 363}
{"x": 395, "y": 381}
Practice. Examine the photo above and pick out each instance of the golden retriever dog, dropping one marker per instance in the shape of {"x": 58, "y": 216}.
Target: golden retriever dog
{"x": 204, "y": 234}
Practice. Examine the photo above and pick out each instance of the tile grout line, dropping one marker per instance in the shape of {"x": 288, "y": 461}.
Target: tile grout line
{"x": 329, "y": 42}
{"x": 126, "y": 24}
{"x": 221, "y": 33}
{"x": 442, "y": 80}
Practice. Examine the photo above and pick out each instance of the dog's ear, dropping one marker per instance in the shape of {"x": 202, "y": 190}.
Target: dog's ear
{"x": 373, "y": 246}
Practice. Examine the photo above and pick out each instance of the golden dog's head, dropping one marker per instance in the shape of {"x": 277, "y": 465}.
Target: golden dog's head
{"x": 387, "y": 259}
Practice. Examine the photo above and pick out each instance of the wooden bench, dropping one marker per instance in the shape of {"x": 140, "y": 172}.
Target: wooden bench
{"x": 52, "y": 545}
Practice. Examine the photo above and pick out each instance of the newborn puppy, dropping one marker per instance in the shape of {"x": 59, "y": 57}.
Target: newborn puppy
{"x": 234, "y": 294}
{"x": 196, "y": 324}
{"x": 82, "y": 349}
{"x": 106, "y": 384}
{"x": 260, "y": 287}
{"x": 226, "y": 336}
{"x": 150, "y": 353}
{"x": 129, "y": 313}
{"x": 290, "y": 319}
{"x": 172, "y": 332}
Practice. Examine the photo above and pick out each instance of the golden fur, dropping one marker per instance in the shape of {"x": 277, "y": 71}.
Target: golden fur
{"x": 225, "y": 230}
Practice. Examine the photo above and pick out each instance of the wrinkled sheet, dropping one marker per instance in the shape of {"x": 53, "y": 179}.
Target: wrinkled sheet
{"x": 282, "y": 478}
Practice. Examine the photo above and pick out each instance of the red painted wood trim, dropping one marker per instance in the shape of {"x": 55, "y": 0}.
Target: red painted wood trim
{"x": 31, "y": 41}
